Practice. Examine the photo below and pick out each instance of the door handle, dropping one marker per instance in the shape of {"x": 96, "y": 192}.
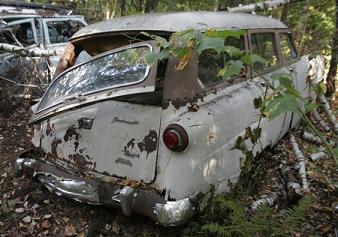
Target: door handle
{"x": 85, "y": 122}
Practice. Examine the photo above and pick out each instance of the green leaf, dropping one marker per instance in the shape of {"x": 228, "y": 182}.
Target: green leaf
{"x": 286, "y": 84}
{"x": 232, "y": 51}
{"x": 319, "y": 89}
{"x": 224, "y": 33}
{"x": 233, "y": 68}
{"x": 163, "y": 54}
{"x": 310, "y": 106}
{"x": 279, "y": 105}
{"x": 240, "y": 145}
{"x": 216, "y": 44}
{"x": 186, "y": 38}
{"x": 335, "y": 152}
{"x": 257, "y": 133}
{"x": 150, "y": 58}
{"x": 251, "y": 58}
{"x": 162, "y": 42}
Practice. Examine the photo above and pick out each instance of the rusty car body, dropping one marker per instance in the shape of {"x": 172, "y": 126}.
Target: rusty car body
{"x": 147, "y": 139}
{"x": 34, "y": 26}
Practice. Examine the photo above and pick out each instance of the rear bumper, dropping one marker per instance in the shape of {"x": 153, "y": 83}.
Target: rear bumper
{"x": 130, "y": 200}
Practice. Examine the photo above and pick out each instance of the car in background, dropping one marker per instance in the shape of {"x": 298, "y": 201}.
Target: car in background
{"x": 34, "y": 26}
{"x": 146, "y": 138}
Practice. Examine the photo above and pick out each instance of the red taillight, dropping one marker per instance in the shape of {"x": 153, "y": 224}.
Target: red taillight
{"x": 175, "y": 137}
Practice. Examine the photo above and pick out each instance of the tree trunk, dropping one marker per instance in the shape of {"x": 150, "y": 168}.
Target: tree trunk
{"x": 332, "y": 74}
{"x": 150, "y": 6}
{"x": 140, "y": 6}
{"x": 285, "y": 12}
{"x": 123, "y": 7}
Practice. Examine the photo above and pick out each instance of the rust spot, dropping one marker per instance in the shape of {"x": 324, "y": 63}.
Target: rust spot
{"x": 149, "y": 142}
{"x": 50, "y": 128}
{"x": 193, "y": 107}
{"x": 71, "y": 131}
{"x": 55, "y": 143}
{"x": 131, "y": 143}
{"x": 211, "y": 136}
{"x": 79, "y": 160}
{"x": 123, "y": 161}
{"x": 129, "y": 154}
{"x": 76, "y": 145}
{"x": 128, "y": 150}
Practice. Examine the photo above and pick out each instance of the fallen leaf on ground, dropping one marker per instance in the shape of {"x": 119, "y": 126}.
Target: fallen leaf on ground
{"x": 69, "y": 230}
{"x": 46, "y": 224}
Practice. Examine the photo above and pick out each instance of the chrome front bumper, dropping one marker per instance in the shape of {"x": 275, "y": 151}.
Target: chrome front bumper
{"x": 130, "y": 200}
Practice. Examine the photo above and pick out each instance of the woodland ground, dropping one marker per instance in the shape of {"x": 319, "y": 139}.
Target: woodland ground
{"x": 29, "y": 209}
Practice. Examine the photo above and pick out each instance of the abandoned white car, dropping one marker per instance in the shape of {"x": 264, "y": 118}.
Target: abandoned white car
{"x": 144, "y": 138}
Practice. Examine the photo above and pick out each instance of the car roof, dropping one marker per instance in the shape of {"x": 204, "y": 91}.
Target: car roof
{"x": 180, "y": 21}
{"x": 26, "y": 16}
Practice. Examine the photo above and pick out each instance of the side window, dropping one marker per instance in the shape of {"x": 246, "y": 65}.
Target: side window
{"x": 287, "y": 48}
{"x": 61, "y": 31}
{"x": 210, "y": 63}
{"x": 264, "y": 44}
{"x": 18, "y": 34}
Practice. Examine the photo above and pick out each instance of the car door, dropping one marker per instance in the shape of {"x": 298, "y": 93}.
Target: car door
{"x": 20, "y": 33}
{"x": 265, "y": 43}
{"x": 296, "y": 67}
{"x": 81, "y": 125}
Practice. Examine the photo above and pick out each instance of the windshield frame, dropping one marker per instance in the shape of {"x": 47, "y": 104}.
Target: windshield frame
{"x": 116, "y": 50}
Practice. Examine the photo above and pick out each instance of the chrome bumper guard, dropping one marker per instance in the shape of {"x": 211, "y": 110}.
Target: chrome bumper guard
{"x": 130, "y": 200}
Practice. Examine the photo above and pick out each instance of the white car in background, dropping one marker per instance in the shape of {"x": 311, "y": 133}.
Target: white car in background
{"x": 32, "y": 26}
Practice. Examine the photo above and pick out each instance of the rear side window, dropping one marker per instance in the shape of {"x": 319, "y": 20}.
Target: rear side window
{"x": 287, "y": 48}
{"x": 264, "y": 44}
{"x": 210, "y": 63}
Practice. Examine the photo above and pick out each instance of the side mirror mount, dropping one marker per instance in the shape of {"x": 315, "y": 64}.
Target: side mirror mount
{"x": 3, "y": 24}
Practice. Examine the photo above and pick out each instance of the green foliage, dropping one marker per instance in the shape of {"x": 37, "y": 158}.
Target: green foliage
{"x": 280, "y": 104}
{"x": 183, "y": 45}
{"x": 335, "y": 150}
{"x": 233, "y": 68}
{"x": 263, "y": 222}
{"x": 214, "y": 229}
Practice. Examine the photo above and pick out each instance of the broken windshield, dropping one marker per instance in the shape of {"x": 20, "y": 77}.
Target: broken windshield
{"x": 111, "y": 70}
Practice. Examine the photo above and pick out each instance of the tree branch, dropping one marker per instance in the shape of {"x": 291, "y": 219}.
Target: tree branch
{"x": 25, "y": 52}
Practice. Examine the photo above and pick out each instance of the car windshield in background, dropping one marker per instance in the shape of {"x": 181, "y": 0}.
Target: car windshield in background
{"x": 107, "y": 71}
{"x": 61, "y": 31}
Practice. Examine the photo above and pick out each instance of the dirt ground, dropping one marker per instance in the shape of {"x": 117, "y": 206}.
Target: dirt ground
{"x": 29, "y": 209}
